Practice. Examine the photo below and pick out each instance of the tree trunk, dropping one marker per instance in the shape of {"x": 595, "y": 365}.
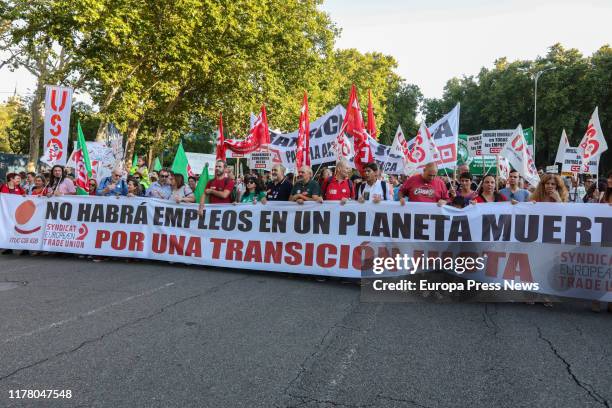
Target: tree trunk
{"x": 107, "y": 101}
{"x": 160, "y": 128}
{"x": 36, "y": 116}
{"x": 132, "y": 132}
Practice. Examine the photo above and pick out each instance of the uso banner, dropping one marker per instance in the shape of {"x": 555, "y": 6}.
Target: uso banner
{"x": 58, "y": 104}
{"x": 566, "y": 249}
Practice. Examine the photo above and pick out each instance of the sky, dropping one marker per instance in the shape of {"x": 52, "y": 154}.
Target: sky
{"x": 436, "y": 40}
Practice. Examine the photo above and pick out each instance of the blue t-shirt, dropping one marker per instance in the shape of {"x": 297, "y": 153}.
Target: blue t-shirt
{"x": 520, "y": 195}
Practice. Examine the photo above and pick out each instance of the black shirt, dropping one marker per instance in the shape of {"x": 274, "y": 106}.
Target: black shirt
{"x": 279, "y": 191}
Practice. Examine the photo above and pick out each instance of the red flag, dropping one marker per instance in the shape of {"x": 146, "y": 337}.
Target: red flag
{"x": 258, "y": 135}
{"x": 371, "y": 120}
{"x": 221, "y": 140}
{"x": 302, "y": 157}
{"x": 354, "y": 126}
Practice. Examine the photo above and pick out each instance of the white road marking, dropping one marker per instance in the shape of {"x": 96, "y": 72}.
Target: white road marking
{"x": 89, "y": 313}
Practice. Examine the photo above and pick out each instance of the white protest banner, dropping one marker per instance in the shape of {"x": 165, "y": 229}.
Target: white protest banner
{"x": 102, "y": 159}
{"x": 445, "y": 133}
{"x": 474, "y": 145}
{"x": 388, "y": 161}
{"x": 325, "y": 239}
{"x": 58, "y": 105}
{"x": 593, "y": 143}
{"x": 518, "y": 155}
{"x": 554, "y": 169}
{"x": 572, "y": 162}
{"x": 563, "y": 144}
{"x": 493, "y": 141}
{"x": 323, "y": 132}
{"x": 197, "y": 161}
{"x": 260, "y": 159}
{"x": 423, "y": 150}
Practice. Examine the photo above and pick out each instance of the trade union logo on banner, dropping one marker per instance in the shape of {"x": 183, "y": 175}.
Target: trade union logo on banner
{"x": 25, "y": 222}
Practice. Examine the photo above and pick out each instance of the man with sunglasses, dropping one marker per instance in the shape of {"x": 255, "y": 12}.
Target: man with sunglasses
{"x": 113, "y": 185}
{"x": 161, "y": 188}
{"x": 279, "y": 188}
{"x": 513, "y": 191}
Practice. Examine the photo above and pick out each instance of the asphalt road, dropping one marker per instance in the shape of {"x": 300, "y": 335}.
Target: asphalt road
{"x": 151, "y": 334}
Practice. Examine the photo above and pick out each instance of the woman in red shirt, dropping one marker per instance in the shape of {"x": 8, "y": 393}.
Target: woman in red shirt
{"x": 12, "y": 186}
{"x": 487, "y": 193}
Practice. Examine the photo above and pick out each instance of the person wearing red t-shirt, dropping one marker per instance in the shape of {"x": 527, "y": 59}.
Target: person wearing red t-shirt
{"x": 339, "y": 187}
{"x": 425, "y": 188}
{"x": 487, "y": 193}
{"x": 219, "y": 189}
{"x": 12, "y": 186}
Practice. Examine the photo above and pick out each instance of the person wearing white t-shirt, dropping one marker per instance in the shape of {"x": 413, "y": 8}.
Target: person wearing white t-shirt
{"x": 373, "y": 189}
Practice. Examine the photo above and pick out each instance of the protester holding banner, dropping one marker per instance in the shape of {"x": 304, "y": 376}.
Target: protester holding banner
{"x": 58, "y": 183}
{"x": 181, "y": 193}
{"x": 254, "y": 192}
{"x": 513, "y": 191}
{"x": 487, "y": 193}
{"x": 133, "y": 188}
{"x": 113, "y": 185}
{"x": 464, "y": 194}
{"x": 161, "y": 188}
{"x": 305, "y": 189}
{"x": 13, "y": 185}
{"x": 339, "y": 187}
{"x": 373, "y": 190}
{"x": 425, "y": 188}
{"x": 219, "y": 189}
{"x": 39, "y": 187}
{"x": 279, "y": 188}
{"x": 550, "y": 189}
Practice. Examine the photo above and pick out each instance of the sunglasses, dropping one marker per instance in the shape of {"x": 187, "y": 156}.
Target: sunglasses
{"x": 163, "y": 176}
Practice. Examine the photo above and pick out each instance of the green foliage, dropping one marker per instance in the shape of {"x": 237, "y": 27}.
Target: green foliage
{"x": 503, "y": 97}
{"x": 14, "y": 126}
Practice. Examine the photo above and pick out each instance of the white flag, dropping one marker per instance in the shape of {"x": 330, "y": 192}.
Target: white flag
{"x": 517, "y": 153}
{"x": 503, "y": 169}
{"x": 593, "y": 143}
{"x": 399, "y": 146}
{"x": 424, "y": 149}
{"x": 563, "y": 143}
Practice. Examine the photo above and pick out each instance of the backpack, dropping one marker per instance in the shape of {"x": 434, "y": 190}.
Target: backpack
{"x": 326, "y": 183}
{"x": 383, "y": 185}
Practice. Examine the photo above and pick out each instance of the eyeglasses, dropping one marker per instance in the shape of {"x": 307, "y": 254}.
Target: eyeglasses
{"x": 116, "y": 175}
{"x": 163, "y": 176}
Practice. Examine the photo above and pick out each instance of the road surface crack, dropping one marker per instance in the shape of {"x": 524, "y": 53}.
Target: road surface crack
{"x": 585, "y": 386}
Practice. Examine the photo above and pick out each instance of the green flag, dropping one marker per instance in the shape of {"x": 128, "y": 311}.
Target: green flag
{"x": 157, "y": 164}
{"x": 83, "y": 165}
{"x": 180, "y": 164}
{"x": 201, "y": 186}
{"x": 134, "y": 167}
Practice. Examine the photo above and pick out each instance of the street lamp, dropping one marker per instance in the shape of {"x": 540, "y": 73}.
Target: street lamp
{"x": 535, "y": 104}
